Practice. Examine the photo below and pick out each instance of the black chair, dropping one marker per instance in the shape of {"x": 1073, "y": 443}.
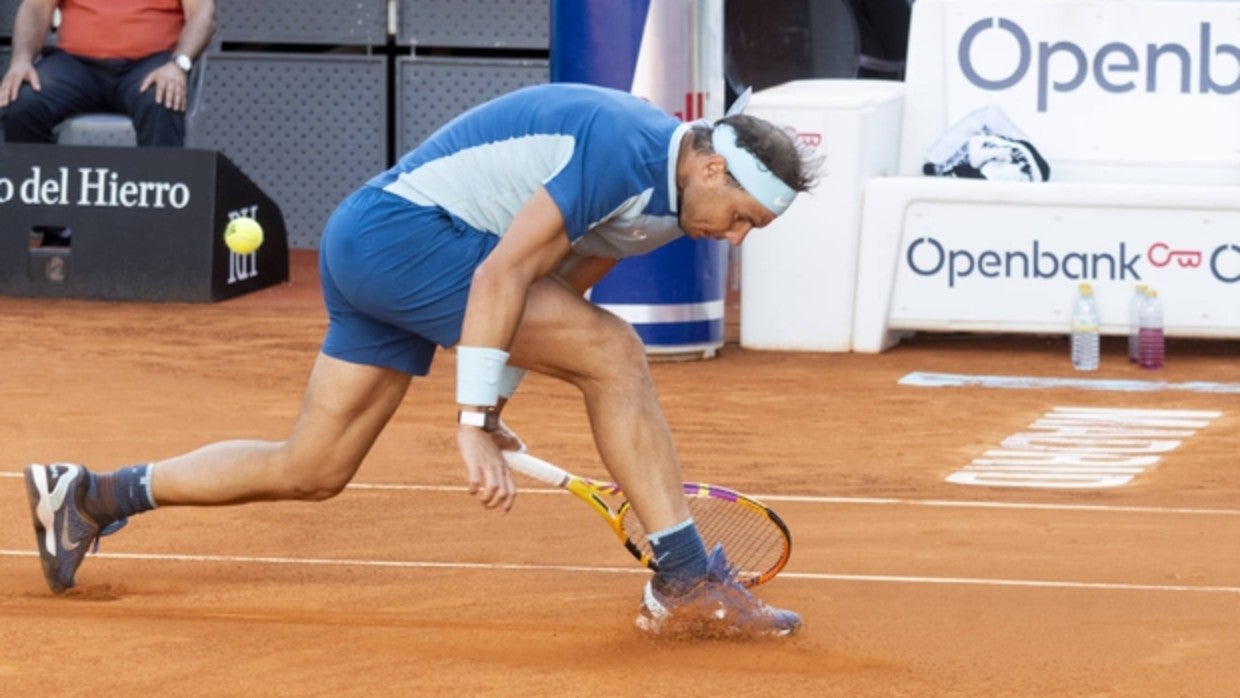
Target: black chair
{"x": 8, "y": 12}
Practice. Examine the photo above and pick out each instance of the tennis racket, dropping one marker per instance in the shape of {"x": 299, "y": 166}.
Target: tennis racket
{"x": 755, "y": 539}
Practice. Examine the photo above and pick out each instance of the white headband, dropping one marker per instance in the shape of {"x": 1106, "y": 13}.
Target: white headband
{"x": 753, "y": 176}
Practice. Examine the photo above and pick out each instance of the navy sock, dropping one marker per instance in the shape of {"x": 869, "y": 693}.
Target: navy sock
{"x": 680, "y": 555}
{"x": 119, "y": 494}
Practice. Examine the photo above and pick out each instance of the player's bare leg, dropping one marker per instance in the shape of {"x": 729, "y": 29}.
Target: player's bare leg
{"x": 563, "y": 335}
{"x": 344, "y": 409}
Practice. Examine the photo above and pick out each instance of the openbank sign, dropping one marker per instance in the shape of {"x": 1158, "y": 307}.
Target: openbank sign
{"x": 927, "y": 256}
{"x": 1110, "y": 66}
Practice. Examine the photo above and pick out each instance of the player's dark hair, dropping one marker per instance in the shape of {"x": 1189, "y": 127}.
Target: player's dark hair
{"x": 772, "y": 146}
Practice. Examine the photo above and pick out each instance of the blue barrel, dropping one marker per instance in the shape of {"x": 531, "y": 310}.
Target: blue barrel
{"x": 673, "y": 296}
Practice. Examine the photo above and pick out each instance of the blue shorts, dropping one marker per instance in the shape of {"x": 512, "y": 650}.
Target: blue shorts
{"x": 395, "y": 279}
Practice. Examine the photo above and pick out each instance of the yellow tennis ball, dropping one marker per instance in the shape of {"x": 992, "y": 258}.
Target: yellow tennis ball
{"x": 243, "y": 235}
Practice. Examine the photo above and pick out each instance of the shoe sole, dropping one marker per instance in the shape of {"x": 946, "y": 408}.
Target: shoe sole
{"x": 648, "y": 624}
{"x": 651, "y": 624}
{"x": 44, "y": 518}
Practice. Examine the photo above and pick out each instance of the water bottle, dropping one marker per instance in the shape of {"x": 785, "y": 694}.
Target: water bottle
{"x": 1085, "y": 336}
{"x": 1134, "y": 321}
{"x": 1151, "y": 345}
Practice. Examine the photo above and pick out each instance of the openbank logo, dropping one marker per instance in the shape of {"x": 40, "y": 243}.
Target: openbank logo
{"x": 1117, "y": 67}
{"x": 927, "y": 256}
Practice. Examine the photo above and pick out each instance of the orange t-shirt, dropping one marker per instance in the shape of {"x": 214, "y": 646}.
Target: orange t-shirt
{"x": 119, "y": 28}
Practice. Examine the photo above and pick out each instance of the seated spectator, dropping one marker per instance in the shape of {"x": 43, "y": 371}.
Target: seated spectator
{"x": 124, "y": 56}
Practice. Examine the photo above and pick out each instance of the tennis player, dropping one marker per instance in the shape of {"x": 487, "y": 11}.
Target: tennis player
{"x": 484, "y": 238}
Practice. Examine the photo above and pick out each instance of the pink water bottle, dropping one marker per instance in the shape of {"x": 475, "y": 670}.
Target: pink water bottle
{"x": 1151, "y": 345}
{"x": 1134, "y": 322}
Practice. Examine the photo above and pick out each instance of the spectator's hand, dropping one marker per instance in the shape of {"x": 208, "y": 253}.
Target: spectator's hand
{"x": 170, "y": 85}
{"x": 19, "y": 72}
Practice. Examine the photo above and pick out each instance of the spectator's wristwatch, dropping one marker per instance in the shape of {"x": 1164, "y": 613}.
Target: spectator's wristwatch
{"x": 183, "y": 62}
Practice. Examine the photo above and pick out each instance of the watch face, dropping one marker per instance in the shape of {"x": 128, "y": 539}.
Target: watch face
{"x": 487, "y": 421}
{"x": 184, "y": 63}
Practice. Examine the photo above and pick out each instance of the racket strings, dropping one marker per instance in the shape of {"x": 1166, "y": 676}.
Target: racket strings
{"x": 755, "y": 545}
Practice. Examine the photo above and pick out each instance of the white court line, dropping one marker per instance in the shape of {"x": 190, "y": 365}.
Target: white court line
{"x": 331, "y": 562}
{"x": 523, "y": 567}
{"x": 850, "y": 501}
{"x": 811, "y": 576}
{"x": 1028, "y": 583}
{"x": 880, "y": 501}
{"x": 973, "y": 504}
{"x": 958, "y": 380}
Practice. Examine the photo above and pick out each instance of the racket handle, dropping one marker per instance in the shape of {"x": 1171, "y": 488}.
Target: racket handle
{"x": 537, "y": 468}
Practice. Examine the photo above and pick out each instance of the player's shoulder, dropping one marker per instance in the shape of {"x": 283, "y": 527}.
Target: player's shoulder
{"x": 554, "y": 92}
{"x": 583, "y": 99}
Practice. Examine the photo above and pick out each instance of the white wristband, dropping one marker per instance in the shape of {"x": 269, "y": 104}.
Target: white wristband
{"x": 509, "y": 380}
{"x": 478, "y": 371}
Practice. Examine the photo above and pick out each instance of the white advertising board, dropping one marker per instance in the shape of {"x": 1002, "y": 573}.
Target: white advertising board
{"x": 971, "y": 255}
{"x": 1135, "y": 104}
{"x": 1014, "y": 265}
{"x": 1095, "y": 85}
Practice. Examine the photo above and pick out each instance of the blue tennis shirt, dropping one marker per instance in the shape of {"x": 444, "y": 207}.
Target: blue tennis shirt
{"x": 607, "y": 158}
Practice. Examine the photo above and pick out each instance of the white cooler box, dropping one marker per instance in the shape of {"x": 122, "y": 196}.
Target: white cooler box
{"x": 798, "y": 274}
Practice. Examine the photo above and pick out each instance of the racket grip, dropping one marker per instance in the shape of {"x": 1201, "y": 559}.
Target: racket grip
{"x": 537, "y": 468}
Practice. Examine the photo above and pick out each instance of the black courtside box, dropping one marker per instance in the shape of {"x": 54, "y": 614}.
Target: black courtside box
{"x": 131, "y": 224}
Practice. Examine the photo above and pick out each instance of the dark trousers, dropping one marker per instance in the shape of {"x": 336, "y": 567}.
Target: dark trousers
{"x": 74, "y": 85}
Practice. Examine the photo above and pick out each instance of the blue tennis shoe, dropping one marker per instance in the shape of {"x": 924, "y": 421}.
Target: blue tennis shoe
{"x": 64, "y": 531}
{"x": 718, "y": 606}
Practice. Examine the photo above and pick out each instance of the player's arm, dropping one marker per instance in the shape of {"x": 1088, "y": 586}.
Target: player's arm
{"x": 580, "y": 272}
{"x": 534, "y": 245}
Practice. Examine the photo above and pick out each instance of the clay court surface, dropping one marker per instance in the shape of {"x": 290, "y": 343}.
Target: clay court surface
{"x": 405, "y": 585}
